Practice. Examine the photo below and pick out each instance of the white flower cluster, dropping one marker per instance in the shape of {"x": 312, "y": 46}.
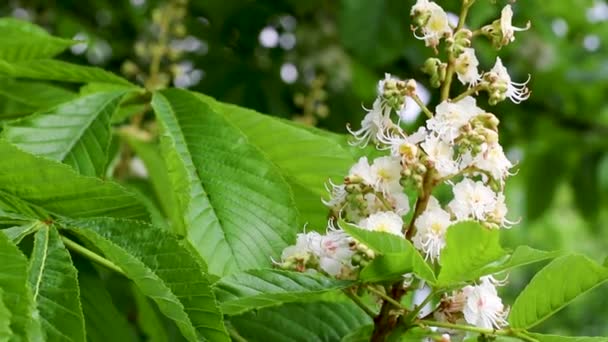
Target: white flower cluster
{"x": 458, "y": 146}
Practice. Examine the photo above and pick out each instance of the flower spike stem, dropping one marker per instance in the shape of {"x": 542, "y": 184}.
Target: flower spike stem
{"x": 360, "y": 303}
{"x": 462, "y": 327}
{"x": 420, "y": 104}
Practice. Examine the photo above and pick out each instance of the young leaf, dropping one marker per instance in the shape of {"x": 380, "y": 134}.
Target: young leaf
{"x": 16, "y": 294}
{"x": 306, "y": 160}
{"x": 256, "y": 289}
{"x": 21, "y": 40}
{"x": 162, "y": 269}
{"x": 394, "y": 265}
{"x": 316, "y": 321}
{"x": 76, "y": 133}
{"x": 469, "y": 246}
{"x": 236, "y": 206}
{"x": 59, "y": 190}
{"x": 5, "y": 319}
{"x": 52, "y": 70}
{"x": 381, "y": 242}
{"x": 54, "y": 284}
{"x": 523, "y": 255}
{"x": 17, "y": 233}
{"x": 556, "y": 285}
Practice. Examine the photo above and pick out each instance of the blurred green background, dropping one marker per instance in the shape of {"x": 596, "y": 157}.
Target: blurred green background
{"x": 318, "y": 62}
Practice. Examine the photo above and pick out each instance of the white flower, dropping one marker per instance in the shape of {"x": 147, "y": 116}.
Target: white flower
{"x": 385, "y": 174}
{"x": 506, "y": 28}
{"x": 374, "y": 124}
{"x": 337, "y": 195}
{"x": 517, "y": 92}
{"x": 466, "y": 67}
{"x": 402, "y": 145}
{"x": 333, "y": 251}
{"x": 451, "y": 116}
{"x": 472, "y": 200}
{"x": 483, "y": 307}
{"x": 436, "y": 25}
{"x": 499, "y": 214}
{"x": 384, "y": 221}
{"x": 431, "y": 228}
{"x": 361, "y": 171}
{"x": 420, "y": 295}
{"x": 423, "y": 6}
{"x": 493, "y": 161}
{"x": 400, "y": 202}
{"x": 441, "y": 154}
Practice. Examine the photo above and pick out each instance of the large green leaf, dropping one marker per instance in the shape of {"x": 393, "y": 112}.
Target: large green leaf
{"x": 34, "y": 93}
{"x": 59, "y": 190}
{"x": 256, "y": 289}
{"x": 316, "y": 321}
{"x": 381, "y": 242}
{"x": 237, "y": 208}
{"x": 555, "y": 338}
{"x": 469, "y": 246}
{"x": 103, "y": 320}
{"x": 54, "y": 284}
{"x": 523, "y": 255}
{"x": 17, "y": 233}
{"x": 306, "y": 159}
{"x": 148, "y": 318}
{"x": 76, "y": 133}
{"x": 16, "y": 294}
{"x": 53, "y": 70}
{"x": 21, "y": 40}
{"x": 5, "y": 319}
{"x": 553, "y": 287}
{"x": 163, "y": 270}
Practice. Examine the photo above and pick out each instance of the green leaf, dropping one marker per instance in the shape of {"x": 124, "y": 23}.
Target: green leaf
{"x": 362, "y": 334}
{"x": 237, "y": 208}
{"x": 162, "y": 269}
{"x": 35, "y": 94}
{"x": 148, "y": 319}
{"x": 60, "y": 190}
{"x": 17, "y": 233}
{"x": 306, "y": 159}
{"x": 385, "y": 34}
{"x": 53, "y": 70}
{"x": 380, "y": 242}
{"x": 394, "y": 265}
{"x": 21, "y": 40}
{"x": 16, "y": 294}
{"x": 556, "y": 285}
{"x": 523, "y": 255}
{"x": 103, "y": 320}
{"x": 316, "y": 321}
{"x": 76, "y": 133}
{"x": 469, "y": 247}
{"x": 54, "y": 284}
{"x": 555, "y": 338}
{"x": 5, "y": 319}
{"x": 256, "y": 289}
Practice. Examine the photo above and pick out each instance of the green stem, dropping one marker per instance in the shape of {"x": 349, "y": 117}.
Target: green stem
{"x": 234, "y": 335}
{"x": 467, "y": 92}
{"x": 92, "y": 255}
{"x": 422, "y": 105}
{"x": 387, "y": 298}
{"x": 414, "y": 313}
{"x": 502, "y": 332}
{"x": 360, "y": 303}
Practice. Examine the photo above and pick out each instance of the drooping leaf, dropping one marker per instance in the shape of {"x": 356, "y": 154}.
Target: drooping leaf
{"x": 54, "y": 70}
{"x": 523, "y": 255}
{"x": 555, "y": 338}
{"x": 16, "y": 293}
{"x": 255, "y": 289}
{"x": 162, "y": 269}
{"x": 76, "y": 133}
{"x": 5, "y": 319}
{"x": 102, "y": 319}
{"x": 36, "y": 94}
{"x": 54, "y": 282}
{"x": 316, "y": 321}
{"x": 237, "y": 208}
{"x": 469, "y": 246}
{"x": 17, "y": 233}
{"x": 21, "y": 40}
{"x": 553, "y": 287}
{"x": 307, "y": 160}
{"x": 59, "y": 190}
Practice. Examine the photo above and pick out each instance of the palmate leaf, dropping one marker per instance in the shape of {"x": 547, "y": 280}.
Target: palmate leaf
{"x": 57, "y": 189}
{"x": 21, "y": 40}
{"x": 304, "y": 157}
{"x": 162, "y": 269}
{"x": 76, "y": 133}
{"x": 315, "y": 321}
{"x": 53, "y": 70}
{"x": 54, "y": 284}
{"x": 238, "y": 210}
{"x": 553, "y": 287}
{"x": 34, "y": 93}
{"x": 469, "y": 246}
{"x": 255, "y": 289}
{"x": 16, "y": 293}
